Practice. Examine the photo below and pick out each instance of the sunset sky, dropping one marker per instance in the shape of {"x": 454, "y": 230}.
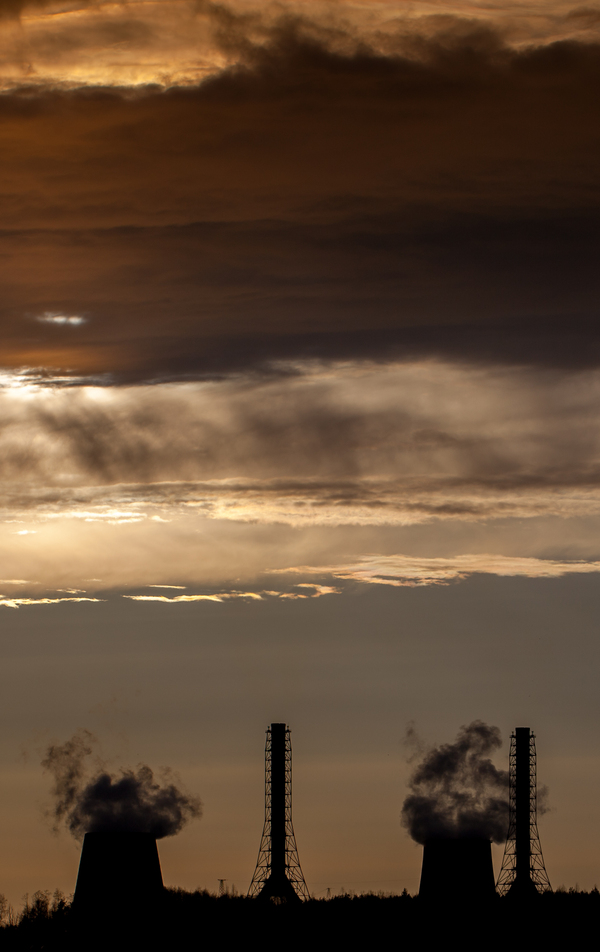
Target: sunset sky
{"x": 299, "y": 412}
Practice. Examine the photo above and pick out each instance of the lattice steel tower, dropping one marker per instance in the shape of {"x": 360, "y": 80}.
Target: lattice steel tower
{"x": 278, "y": 875}
{"x": 523, "y": 872}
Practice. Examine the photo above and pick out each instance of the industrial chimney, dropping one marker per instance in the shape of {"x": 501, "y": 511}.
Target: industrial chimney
{"x": 523, "y": 873}
{"x": 278, "y": 875}
{"x": 457, "y": 869}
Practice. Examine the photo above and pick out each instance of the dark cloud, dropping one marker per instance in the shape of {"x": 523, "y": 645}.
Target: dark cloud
{"x": 212, "y": 298}
{"x": 456, "y": 791}
{"x": 14, "y": 8}
{"x": 132, "y": 801}
{"x": 328, "y": 194}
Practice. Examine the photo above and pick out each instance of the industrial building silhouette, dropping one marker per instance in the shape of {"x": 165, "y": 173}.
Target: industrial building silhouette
{"x": 119, "y": 868}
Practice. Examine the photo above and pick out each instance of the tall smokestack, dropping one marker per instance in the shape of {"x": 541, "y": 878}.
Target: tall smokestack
{"x": 278, "y": 875}
{"x": 523, "y": 873}
{"x": 522, "y": 798}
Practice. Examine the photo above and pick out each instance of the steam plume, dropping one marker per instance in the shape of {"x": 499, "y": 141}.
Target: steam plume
{"x": 131, "y": 801}
{"x": 456, "y": 791}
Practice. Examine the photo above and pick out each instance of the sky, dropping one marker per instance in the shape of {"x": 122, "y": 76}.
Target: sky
{"x": 299, "y": 413}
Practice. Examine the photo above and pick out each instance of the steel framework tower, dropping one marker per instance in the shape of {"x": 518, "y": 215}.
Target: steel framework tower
{"x": 278, "y": 875}
{"x": 523, "y": 872}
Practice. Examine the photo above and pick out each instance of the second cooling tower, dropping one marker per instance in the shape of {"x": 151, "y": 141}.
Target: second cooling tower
{"x": 457, "y": 868}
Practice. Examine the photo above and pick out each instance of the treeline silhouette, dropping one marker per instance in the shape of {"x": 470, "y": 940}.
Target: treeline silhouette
{"x": 190, "y": 920}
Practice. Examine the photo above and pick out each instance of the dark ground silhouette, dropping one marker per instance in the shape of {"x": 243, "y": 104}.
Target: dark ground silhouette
{"x": 193, "y": 920}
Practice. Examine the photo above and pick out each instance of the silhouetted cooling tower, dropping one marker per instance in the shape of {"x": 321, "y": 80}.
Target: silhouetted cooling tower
{"x": 117, "y": 871}
{"x": 458, "y": 868}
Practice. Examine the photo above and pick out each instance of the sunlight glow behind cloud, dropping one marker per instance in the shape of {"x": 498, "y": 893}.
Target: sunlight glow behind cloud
{"x": 50, "y": 317}
{"x": 7, "y": 602}
{"x": 180, "y": 42}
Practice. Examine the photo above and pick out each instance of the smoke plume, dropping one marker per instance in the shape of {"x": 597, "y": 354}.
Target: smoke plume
{"x": 456, "y": 791}
{"x": 94, "y": 800}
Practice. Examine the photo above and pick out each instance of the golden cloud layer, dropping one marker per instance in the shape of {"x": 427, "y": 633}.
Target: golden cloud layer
{"x": 355, "y": 434}
{"x": 402, "y": 570}
{"x": 177, "y": 41}
{"x": 393, "y": 570}
{"x": 228, "y": 481}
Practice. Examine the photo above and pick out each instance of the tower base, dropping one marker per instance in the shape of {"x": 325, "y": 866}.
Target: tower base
{"x": 278, "y": 889}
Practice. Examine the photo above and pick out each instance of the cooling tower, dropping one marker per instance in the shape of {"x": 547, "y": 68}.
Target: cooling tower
{"x": 118, "y": 872}
{"x": 457, "y": 869}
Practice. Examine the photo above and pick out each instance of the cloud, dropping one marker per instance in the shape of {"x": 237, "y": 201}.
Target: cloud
{"x": 49, "y": 317}
{"x": 165, "y": 586}
{"x": 315, "y": 591}
{"x": 356, "y": 443}
{"x": 331, "y": 190}
{"x": 9, "y": 602}
{"x": 317, "y": 466}
{"x": 338, "y": 269}
{"x": 411, "y": 571}
{"x": 13, "y": 8}
{"x": 177, "y": 41}
{"x": 222, "y": 561}
{"x": 174, "y": 599}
